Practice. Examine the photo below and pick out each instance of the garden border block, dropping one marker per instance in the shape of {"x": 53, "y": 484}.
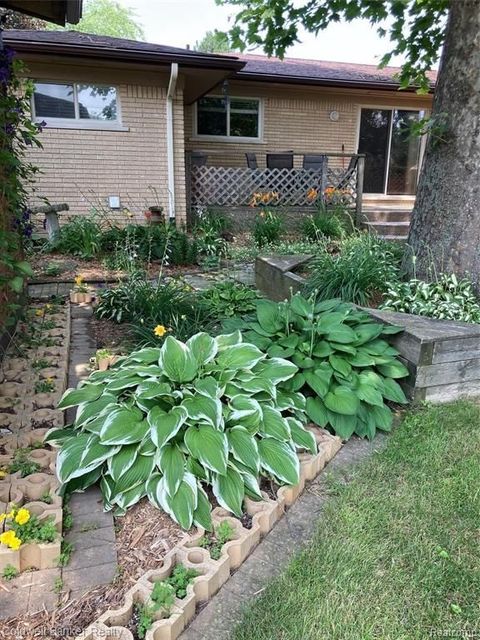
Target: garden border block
{"x": 442, "y": 356}
{"x": 214, "y": 573}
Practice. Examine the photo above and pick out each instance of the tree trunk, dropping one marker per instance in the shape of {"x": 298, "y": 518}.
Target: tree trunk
{"x": 445, "y": 229}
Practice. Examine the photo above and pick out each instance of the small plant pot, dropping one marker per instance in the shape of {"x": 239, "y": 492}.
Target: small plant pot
{"x": 34, "y": 486}
{"x": 105, "y": 363}
{"x": 156, "y": 215}
{"x": 77, "y": 297}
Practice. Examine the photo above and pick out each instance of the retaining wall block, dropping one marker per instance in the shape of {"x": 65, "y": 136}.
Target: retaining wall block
{"x": 99, "y": 631}
{"x": 163, "y": 629}
{"x": 36, "y": 485}
{"x": 244, "y": 540}
{"x": 265, "y": 513}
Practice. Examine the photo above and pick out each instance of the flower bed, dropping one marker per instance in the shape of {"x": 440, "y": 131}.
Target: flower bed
{"x": 35, "y": 373}
{"x": 191, "y": 553}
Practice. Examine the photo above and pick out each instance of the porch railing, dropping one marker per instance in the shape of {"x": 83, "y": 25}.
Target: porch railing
{"x": 240, "y": 186}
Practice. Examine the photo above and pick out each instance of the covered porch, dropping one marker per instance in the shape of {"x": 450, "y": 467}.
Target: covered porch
{"x": 294, "y": 179}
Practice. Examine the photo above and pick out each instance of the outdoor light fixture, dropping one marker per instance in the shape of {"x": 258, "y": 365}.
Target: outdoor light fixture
{"x": 114, "y": 202}
{"x": 334, "y": 116}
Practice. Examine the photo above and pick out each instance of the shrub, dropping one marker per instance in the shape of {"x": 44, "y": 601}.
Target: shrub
{"x": 267, "y": 228}
{"x": 208, "y": 232}
{"x": 81, "y": 237}
{"x": 445, "y": 299}
{"x": 226, "y": 299}
{"x": 164, "y": 422}
{"x": 325, "y": 223}
{"x": 345, "y": 367}
{"x": 359, "y": 272}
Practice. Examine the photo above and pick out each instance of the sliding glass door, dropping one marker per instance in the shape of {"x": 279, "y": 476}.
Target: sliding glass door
{"x": 392, "y": 154}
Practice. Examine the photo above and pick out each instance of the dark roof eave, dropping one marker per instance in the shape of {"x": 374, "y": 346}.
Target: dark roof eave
{"x": 149, "y": 57}
{"x": 324, "y": 82}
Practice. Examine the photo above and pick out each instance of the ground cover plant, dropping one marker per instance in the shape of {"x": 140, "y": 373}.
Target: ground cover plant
{"x": 359, "y": 271}
{"x": 267, "y": 227}
{"x": 446, "y": 298}
{"x": 163, "y": 422}
{"x": 395, "y": 554}
{"x": 333, "y": 223}
{"x": 346, "y": 367}
{"x": 229, "y": 298}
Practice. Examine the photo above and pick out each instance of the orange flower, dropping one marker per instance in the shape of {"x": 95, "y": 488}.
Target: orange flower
{"x": 312, "y": 194}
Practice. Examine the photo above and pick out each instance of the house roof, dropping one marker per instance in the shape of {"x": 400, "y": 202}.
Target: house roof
{"x": 76, "y": 43}
{"x": 59, "y": 12}
{"x": 244, "y": 66}
{"x": 320, "y": 72}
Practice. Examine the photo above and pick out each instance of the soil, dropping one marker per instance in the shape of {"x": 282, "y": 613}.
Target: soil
{"x": 246, "y": 521}
{"x": 110, "y": 335}
{"x": 69, "y": 267}
{"x": 144, "y": 536}
{"x": 270, "y": 487}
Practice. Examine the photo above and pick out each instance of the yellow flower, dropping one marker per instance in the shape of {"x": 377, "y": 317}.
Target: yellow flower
{"x": 3, "y": 474}
{"x": 23, "y": 516}
{"x": 160, "y": 330}
{"x": 48, "y": 307}
{"x": 78, "y": 280}
{"x": 10, "y": 539}
{"x": 39, "y": 312}
{"x": 50, "y": 380}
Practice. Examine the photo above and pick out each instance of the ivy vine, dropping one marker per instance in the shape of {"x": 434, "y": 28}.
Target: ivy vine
{"x": 17, "y": 134}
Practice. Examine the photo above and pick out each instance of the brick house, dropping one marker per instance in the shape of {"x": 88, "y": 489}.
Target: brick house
{"x": 124, "y": 120}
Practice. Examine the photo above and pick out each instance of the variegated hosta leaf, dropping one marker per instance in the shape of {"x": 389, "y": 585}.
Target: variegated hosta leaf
{"x": 70, "y": 456}
{"x": 209, "y": 446}
{"x": 89, "y": 410}
{"x": 274, "y": 424}
{"x": 85, "y": 393}
{"x": 276, "y": 369}
{"x": 245, "y": 411}
{"x": 121, "y": 462}
{"x": 164, "y": 426}
{"x": 201, "y": 408}
{"x": 182, "y": 504}
{"x": 229, "y": 490}
{"x": 228, "y": 340}
{"x": 203, "y": 347}
{"x": 240, "y": 356}
{"x": 171, "y": 462}
{"x": 279, "y": 459}
{"x": 177, "y": 360}
{"x": 202, "y": 516}
{"x": 244, "y": 447}
{"x": 124, "y": 426}
{"x": 302, "y": 438}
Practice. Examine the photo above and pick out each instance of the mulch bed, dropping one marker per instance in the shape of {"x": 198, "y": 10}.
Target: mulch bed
{"x": 144, "y": 536}
{"x": 110, "y": 335}
{"x": 92, "y": 270}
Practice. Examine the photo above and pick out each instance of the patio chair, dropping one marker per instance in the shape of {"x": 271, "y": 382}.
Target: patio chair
{"x": 251, "y": 160}
{"x": 280, "y": 160}
{"x": 315, "y": 162}
{"x": 344, "y": 181}
{"x": 198, "y": 158}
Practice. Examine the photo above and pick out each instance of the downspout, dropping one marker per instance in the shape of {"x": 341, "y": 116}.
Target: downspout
{"x": 170, "y": 141}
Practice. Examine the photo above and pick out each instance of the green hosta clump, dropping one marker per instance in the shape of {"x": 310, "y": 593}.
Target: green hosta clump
{"x": 345, "y": 367}
{"x": 164, "y": 422}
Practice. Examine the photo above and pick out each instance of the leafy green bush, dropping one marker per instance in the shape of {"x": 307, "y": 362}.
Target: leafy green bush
{"x": 229, "y": 298}
{"x": 267, "y": 228}
{"x": 162, "y": 422}
{"x": 345, "y": 367}
{"x": 81, "y": 237}
{"x": 445, "y": 299}
{"x": 325, "y": 223}
{"x": 359, "y": 272}
{"x": 208, "y": 233}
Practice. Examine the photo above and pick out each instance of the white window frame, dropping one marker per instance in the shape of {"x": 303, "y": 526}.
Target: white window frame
{"x": 77, "y": 122}
{"x": 423, "y": 112}
{"x": 228, "y": 138}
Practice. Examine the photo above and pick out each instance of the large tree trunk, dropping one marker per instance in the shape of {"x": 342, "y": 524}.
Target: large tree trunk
{"x": 445, "y": 229}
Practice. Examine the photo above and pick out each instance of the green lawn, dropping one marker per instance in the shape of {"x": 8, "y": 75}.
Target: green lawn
{"x": 397, "y": 554}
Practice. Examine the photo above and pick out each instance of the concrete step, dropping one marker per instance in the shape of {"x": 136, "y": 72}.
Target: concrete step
{"x": 389, "y": 230}
{"x": 386, "y": 215}
{"x": 405, "y": 202}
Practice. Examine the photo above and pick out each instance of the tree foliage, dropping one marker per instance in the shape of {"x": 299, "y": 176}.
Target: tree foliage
{"x": 15, "y": 20}
{"x": 416, "y": 28}
{"x": 214, "y": 42}
{"x": 108, "y": 18}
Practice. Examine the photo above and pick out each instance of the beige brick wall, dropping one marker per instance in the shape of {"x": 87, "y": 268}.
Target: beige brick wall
{"x": 83, "y": 167}
{"x": 298, "y": 118}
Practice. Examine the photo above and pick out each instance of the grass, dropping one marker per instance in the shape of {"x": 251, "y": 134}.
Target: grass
{"x": 397, "y": 554}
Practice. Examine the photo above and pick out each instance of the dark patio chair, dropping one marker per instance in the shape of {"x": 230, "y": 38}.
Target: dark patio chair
{"x": 280, "y": 160}
{"x": 344, "y": 181}
{"x": 251, "y": 160}
{"x": 315, "y": 162}
{"x": 198, "y": 158}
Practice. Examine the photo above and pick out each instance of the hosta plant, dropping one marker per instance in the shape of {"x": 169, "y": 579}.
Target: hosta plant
{"x": 165, "y": 422}
{"x": 346, "y": 369}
